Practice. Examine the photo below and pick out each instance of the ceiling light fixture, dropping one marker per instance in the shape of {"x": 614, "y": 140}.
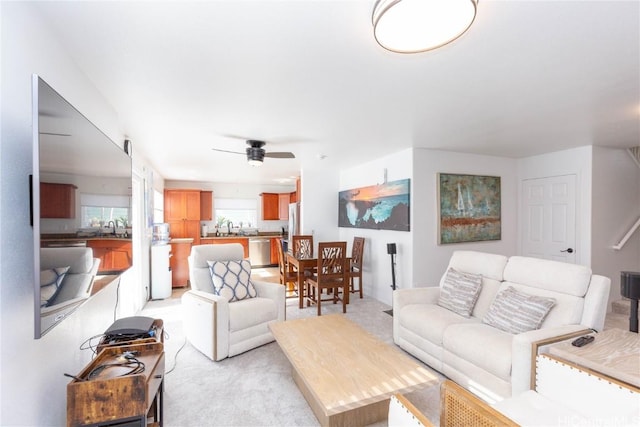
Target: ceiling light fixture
{"x": 411, "y": 26}
{"x": 255, "y": 156}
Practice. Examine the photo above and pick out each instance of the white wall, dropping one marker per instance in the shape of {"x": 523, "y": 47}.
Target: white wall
{"x": 577, "y": 162}
{"x": 431, "y": 259}
{"x": 33, "y": 388}
{"x": 376, "y": 276}
{"x": 616, "y": 207}
{"x": 421, "y": 261}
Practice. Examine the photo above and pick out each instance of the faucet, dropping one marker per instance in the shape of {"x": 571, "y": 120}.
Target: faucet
{"x": 112, "y": 224}
{"x": 229, "y": 227}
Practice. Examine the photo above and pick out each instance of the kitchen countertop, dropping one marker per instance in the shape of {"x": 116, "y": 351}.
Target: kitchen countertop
{"x": 181, "y": 240}
{"x": 240, "y": 236}
{"x": 82, "y": 239}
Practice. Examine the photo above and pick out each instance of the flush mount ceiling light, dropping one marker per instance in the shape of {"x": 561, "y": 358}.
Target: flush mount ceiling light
{"x": 255, "y": 154}
{"x": 411, "y": 26}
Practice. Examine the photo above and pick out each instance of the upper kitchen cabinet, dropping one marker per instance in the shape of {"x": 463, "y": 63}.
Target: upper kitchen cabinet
{"x": 57, "y": 200}
{"x": 181, "y": 205}
{"x": 275, "y": 206}
{"x": 182, "y": 213}
{"x": 206, "y": 205}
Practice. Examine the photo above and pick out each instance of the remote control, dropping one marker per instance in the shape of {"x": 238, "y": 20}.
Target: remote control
{"x": 583, "y": 340}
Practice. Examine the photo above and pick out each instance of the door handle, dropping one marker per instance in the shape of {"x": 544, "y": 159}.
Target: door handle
{"x": 570, "y": 250}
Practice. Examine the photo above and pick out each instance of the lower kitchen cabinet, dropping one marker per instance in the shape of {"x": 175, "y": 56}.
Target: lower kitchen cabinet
{"x": 114, "y": 254}
{"x": 244, "y": 241}
{"x": 180, "y": 250}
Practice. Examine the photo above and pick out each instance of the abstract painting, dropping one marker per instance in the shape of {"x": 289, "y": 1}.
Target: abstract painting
{"x": 380, "y": 207}
{"x": 469, "y": 208}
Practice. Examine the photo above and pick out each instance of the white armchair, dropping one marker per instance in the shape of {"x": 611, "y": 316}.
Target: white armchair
{"x": 219, "y": 328}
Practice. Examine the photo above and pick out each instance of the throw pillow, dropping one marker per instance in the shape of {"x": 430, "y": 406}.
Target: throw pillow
{"x": 50, "y": 284}
{"x": 232, "y": 279}
{"x": 516, "y": 312}
{"x": 460, "y": 292}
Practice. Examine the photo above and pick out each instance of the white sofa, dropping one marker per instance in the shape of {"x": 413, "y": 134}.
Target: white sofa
{"x": 490, "y": 362}
{"x": 219, "y": 328}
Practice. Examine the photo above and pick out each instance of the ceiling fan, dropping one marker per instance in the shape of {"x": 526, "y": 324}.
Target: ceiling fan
{"x": 256, "y": 154}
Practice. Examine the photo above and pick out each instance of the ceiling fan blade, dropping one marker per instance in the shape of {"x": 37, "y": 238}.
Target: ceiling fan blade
{"x": 280, "y": 155}
{"x": 227, "y": 151}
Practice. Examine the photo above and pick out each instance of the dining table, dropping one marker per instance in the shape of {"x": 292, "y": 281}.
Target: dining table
{"x": 302, "y": 264}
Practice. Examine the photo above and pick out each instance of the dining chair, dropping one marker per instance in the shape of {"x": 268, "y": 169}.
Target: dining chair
{"x": 302, "y": 245}
{"x": 288, "y": 276}
{"x": 331, "y": 274}
{"x": 355, "y": 265}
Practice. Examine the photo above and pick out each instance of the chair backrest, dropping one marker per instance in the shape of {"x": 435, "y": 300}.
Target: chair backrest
{"x": 331, "y": 261}
{"x": 199, "y": 274}
{"x": 281, "y": 260}
{"x": 356, "y": 252}
{"x": 302, "y": 246}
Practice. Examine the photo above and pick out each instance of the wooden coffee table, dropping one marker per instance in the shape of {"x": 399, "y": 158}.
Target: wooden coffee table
{"x": 346, "y": 374}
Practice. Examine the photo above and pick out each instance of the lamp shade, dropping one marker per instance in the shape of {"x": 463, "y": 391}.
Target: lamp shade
{"x": 410, "y": 26}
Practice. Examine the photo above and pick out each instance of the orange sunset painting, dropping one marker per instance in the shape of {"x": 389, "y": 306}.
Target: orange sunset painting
{"x": 380, "y": 207}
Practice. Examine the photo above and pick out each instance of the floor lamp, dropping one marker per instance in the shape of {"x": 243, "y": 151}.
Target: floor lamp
{"x": 391, "y": 250}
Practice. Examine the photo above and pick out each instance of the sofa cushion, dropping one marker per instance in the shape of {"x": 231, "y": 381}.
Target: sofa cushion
{"x": 486, "y": 347}
{"x": 232, "y": 279}
{"x": 250, "y": 312}
{"x": 555, "y": 276}
{"x": 429, "y": 321}
{"x": 460, "y": 292}
{"x": 50, "y": 284}
{"x": 487, "y": 265}
{"x": 516, "y": 312}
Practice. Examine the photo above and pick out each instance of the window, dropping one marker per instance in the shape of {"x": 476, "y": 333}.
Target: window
{"x": 98, "y": 209}
{"x": 241, "y": 212}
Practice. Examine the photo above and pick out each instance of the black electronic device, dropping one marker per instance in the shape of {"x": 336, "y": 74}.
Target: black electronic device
{"x": 582, "y": 341}
{"x": 131, "y": 327}
{"x": 391, "y": 248}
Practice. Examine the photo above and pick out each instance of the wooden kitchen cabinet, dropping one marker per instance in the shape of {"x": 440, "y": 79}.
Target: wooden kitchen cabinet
{"x": 182, "y": 213}
{"x": 179, "y": 264}
{"x": 185, "y": 229}
{"x": 275, "y": 206}
{"x": 115, "y": 254}
{"x": 270, "y": 206}
{"x": 283, "y": 204}
{"x": 57, "y": 200}
{"x": 206, "y": 205}
{"x": 181, "y": 205}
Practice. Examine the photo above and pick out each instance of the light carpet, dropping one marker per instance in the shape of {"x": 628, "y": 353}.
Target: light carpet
{"x": 255, "y": 388}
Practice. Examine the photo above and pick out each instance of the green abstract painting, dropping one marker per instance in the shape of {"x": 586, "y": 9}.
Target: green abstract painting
{"x": 469, "y": 208}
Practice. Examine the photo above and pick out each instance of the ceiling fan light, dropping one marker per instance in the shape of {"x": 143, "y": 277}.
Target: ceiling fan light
{"x": 411, "y": 26}
{"x": 255, "y": 156}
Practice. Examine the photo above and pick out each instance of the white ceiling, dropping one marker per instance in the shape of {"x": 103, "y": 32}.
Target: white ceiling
{"x": 307, "y": 76}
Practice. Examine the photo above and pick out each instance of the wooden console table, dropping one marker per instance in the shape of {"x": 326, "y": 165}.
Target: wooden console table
{"x": 111, "y": 397}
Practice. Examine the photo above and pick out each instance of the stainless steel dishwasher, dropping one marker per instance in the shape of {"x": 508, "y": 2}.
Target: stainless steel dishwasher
{"x": 259, "y": 251}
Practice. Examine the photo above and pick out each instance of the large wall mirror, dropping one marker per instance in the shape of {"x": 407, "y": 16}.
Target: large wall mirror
{"x": 81, "y": 203}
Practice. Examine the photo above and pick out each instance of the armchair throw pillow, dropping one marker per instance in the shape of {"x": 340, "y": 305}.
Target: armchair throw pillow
{"x": 460, "y": 292}
{"x": 232, "y": 279}
{"x": 516, "y": 312}
{"x": 50, "y": 284}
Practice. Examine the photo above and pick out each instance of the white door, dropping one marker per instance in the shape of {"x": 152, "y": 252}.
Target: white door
{"x": 549, "y": 218}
